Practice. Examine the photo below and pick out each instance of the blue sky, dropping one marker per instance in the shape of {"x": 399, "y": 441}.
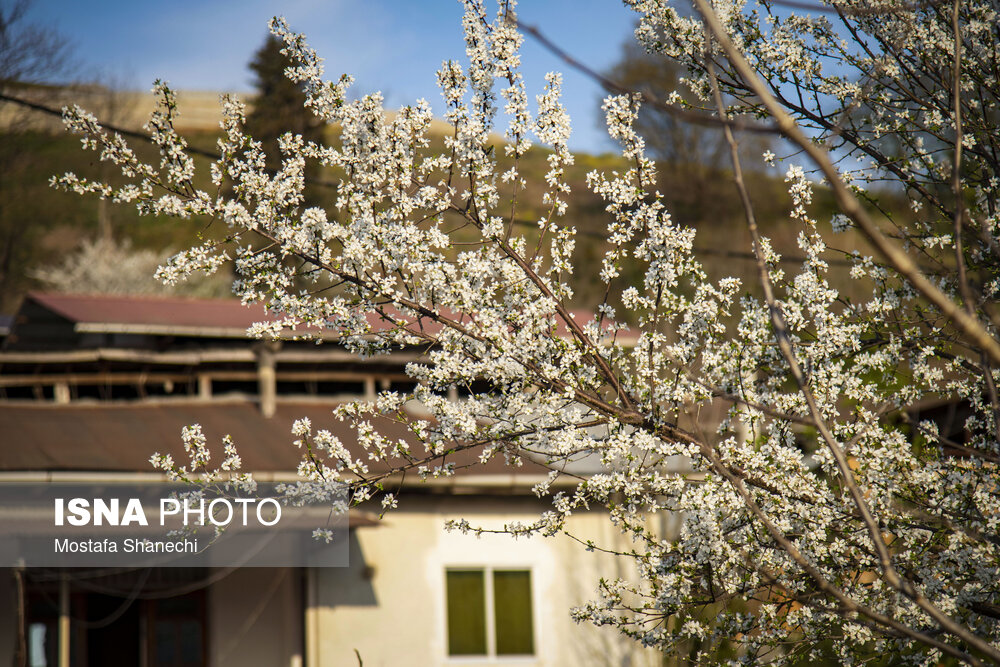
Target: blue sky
{"x": 390, "y": 45}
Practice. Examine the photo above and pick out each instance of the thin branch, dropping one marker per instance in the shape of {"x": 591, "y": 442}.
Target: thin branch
{"x": 956, "y": 163}
{"x": 834, "y": 8}
{"x": 951, "y": 444}
{"x": 991, "y": 389}
{"x": 772, "y": 580}
{"x": 825, "y": 585}
{"x": 849, "y": 204}
{"x": 898, "y": 258}
{"x": 591, "y": 349}
{"x": 647, "y": 98}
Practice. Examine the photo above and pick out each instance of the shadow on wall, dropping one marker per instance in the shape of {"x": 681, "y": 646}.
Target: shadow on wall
{"x": 354, "y": 586}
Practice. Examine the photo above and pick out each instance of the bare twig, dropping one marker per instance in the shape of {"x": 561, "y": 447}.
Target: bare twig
{"x": 834, "y": 8}
{"x": 971, "y": 327}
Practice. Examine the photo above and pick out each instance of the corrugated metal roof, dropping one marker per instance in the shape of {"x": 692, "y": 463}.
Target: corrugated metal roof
{"x": 122, "y": 437}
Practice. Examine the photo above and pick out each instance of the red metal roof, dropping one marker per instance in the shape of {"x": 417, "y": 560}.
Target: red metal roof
{"x": 150, "y": 310}
{"x": 152, "y": 314}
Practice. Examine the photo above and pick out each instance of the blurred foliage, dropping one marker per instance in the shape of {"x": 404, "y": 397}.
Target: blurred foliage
{"x": 41, "y": 227}
{"x": 693, "y": 160}
{"x": 29, "y": 53}
{"x": 106, "y": 266}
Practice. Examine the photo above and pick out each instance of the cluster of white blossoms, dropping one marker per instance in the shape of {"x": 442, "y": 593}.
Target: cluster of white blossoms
{"x": 819, "y": 517}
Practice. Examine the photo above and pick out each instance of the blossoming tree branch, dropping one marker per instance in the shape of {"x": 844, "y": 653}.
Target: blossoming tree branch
{"x": 882, "y": 541}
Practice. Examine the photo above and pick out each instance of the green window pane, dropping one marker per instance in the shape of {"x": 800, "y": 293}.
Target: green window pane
{"x": 512, "y": 611}
{"x": 466, "y": 612}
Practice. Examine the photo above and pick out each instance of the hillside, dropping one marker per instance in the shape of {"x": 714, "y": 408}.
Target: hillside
{"x": 39, "y": 226}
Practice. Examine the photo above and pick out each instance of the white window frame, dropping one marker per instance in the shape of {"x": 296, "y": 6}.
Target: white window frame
{"x": 491, "y": 628}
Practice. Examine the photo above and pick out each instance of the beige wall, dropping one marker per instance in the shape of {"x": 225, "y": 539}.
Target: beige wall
{"x": 389, "y": 605}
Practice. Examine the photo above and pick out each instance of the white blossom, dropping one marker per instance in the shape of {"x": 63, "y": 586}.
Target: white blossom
{"x": 818, "y": 377}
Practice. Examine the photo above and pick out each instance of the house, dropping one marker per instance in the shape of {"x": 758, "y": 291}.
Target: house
{"x": 91, "y": 386}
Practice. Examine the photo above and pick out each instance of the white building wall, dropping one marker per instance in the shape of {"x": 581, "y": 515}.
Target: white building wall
{"x": 389, "y": 605}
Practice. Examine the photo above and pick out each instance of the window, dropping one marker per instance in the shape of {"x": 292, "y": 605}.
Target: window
{"x": 489, "y": 612}
{"x": 162, "y": 632}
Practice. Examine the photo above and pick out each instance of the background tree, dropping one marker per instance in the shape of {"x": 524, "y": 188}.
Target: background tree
{"x": 690, "y": 157}
{"x": 39, "y": 229}
{"x": 106, "y": 266}
{"x": 279, "y": 107}
{"x": 29, "y": 53}
{"x": 693, "y": 160}
{"x": 880, "y": 543}
{"x": 32, "y": 56}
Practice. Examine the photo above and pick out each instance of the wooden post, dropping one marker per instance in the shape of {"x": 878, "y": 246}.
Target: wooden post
{"x": 21, "y": 652}
{"x": 64, "y": 626}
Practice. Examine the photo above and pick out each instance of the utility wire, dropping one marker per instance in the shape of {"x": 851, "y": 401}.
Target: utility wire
{"x": 135, "y": 134}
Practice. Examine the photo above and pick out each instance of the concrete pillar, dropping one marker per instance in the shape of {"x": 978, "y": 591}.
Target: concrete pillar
{"x": 311, "y": 620}
{"x": 267, "y": 383}
{"x": 60, "y": 392}
{"x": 204, "y": 386}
